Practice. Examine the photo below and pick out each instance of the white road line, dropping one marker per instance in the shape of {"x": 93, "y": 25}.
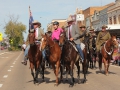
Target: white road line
{"x": 5, "y": 76}
{"x": 9, "y": 70}
{"x": 3, "y": 53}
{"x": 1, "y": 85}
{"x": 18, "y": 56}
{"x": 11, "y": 66}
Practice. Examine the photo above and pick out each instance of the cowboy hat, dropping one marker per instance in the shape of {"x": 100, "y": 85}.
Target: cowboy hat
{"x": 104, "y": 26}
{"x": 82, "y": 26}
{"x": 36, "y": 22}
{"x": 70, "y": 19}
{"x": 91, "y": 29}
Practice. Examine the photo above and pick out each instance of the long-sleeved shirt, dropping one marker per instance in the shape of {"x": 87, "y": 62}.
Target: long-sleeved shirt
{"x": 56, "y": 34}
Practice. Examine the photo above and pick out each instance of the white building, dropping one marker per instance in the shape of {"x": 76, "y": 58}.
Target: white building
{"x": 95, "y": 20}
{"x": 114, "y": 15}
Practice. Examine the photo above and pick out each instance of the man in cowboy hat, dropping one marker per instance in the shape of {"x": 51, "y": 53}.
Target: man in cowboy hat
{"x": 73, "y": 35}
{"x": 38, "y": 36}
{"x": 102, "y": 37}
{"x": 92, "y": 34}
{"x": 82, "y": 30}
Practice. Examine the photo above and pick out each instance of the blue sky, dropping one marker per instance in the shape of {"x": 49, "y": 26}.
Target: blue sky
{"x": 47, "y": 9}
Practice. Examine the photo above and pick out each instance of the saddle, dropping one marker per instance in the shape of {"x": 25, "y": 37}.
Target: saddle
{"x": 81, "y": 45}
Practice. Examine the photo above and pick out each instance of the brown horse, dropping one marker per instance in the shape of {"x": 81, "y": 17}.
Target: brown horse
{"x": 55, "y": 54}
{"x": 70, "y": 57}
{"x": 35, "y": 57}
{"x": 106, "y": 53}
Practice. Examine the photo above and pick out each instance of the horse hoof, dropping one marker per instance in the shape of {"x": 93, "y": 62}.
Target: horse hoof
{"x": 56, "y": 84}
{"x": 71, "y": 85}
{"x": 107, "y": 74}
{"x": 84, "y": 81}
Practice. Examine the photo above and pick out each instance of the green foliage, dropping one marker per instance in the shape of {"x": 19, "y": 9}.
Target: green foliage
{"x": 14, "y": 30}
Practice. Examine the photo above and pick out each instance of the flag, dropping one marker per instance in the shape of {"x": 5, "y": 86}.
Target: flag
{"x": 30, "y": 19}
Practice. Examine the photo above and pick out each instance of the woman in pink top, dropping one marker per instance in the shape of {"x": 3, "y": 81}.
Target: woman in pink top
{"x": 57, "y": 31}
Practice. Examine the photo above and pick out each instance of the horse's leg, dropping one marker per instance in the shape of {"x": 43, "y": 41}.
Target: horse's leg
{"x": 105, "y": 65}
{"x": 71, "y": 74}
{"x": 32, "y": 72}
{"x": 100, "y": 62}
{"x": 108, "y": 64}
{"x": 61, "y": 71}
{"x": 78, "y": 68}
{"x": 57, "y": 72}
{"x": 43, "y": 68}
{"x": 67, "y": 71}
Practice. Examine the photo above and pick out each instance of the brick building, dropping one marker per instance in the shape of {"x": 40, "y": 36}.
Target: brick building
{"x": 62, "y": 22}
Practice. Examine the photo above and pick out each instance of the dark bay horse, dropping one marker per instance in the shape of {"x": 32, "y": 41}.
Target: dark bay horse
{"x": 70, "y": 57}
{"x": 35, "y": 57}
{"x": 106, "y": 53}
{"x": 93, "y": 54}
{"x": 55, "y": 54}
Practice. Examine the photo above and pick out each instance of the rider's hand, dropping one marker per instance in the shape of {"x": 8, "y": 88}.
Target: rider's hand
{"x": 71, "y": 39}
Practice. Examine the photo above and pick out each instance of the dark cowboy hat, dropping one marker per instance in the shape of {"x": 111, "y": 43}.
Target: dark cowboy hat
{"x": 36, "y": 22}
{"x": 104, "y": 26}
{"x": 82, "y": 26}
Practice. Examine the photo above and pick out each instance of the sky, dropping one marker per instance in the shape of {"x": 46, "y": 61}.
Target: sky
{"x": 43, "y": 10}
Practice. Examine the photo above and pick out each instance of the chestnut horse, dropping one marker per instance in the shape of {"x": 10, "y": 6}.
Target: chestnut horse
{"x": 54, "y": 55}
{"x": 106, "y": 53}
{"x": 35, "y": 57}
{"x": 70, "y": 57}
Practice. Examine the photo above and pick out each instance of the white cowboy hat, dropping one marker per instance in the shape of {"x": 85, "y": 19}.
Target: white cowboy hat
{"x": 69, "y": 19}
{"x": 36, "y": 22}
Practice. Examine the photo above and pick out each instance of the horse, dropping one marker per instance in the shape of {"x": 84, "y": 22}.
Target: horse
{"x": 49, "y": 34}
{"x": 93, "y": 54}
{"x": 70, "y": 57}
{"x": 35, "y": 58}
{"x": 54, "y": 56}
{"x": 106, "y": 53}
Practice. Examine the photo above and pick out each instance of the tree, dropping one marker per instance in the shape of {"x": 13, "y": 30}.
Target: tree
{"x": 14, "y": 30}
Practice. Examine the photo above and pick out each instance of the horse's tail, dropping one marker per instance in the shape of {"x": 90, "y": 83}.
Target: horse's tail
{"x": 100, "y": 61}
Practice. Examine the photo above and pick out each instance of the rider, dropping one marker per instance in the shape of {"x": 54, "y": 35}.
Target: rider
{"x": 73, "y": 35}
{"x": 92, "y": 34}
{"x": 102, "y": 37}
{"x": 38, "y": 36}
{"x": 57, "y": 31}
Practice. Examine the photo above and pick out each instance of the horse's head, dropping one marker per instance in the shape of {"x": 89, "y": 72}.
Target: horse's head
{"x": 49, "y": 33}
{"x": 31, "y": 38}
{"x": 114, "y": 41}
{"x": 62, "y": 38}
{"x": 44, "y": 42}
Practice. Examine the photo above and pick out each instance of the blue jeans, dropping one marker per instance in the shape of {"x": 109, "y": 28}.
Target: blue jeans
{"x": 44, "y": 54}
{"x": 26, "y": 52}
{"x": 80, "y": 51}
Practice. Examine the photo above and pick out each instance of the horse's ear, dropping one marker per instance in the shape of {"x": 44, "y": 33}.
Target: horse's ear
{"x": 114, "y": 34}
{"x": 42, "y": 35}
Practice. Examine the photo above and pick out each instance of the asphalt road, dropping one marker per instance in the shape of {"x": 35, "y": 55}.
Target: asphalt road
{"x": 16, "y": 76}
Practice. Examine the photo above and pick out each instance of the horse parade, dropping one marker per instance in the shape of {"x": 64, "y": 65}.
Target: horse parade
{"x": 50, "y": 49}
